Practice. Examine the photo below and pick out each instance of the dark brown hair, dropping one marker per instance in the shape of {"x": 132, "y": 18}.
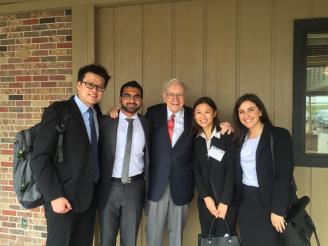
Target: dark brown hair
{"x": 239, "y": 129}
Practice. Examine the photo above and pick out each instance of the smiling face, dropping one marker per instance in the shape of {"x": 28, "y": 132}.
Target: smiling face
{"x": 249, "y": 115}
{"x": 204, "y": 115}
{"x": 174, "y": 97}
{"x": 90, "y": 96}
{"x": 130, "y": 100}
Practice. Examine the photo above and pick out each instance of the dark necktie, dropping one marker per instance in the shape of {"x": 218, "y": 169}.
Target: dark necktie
{"x": 170, "y": 126}
{"x": 127, "y": 153}
{"x": 94, "y": 144}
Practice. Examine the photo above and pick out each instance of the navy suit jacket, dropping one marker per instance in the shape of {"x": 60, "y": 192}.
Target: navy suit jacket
{"x": 167, "y": 164}
{"x": 107, "y": 148}
{"x": 274, "y": 186}
{"x": 74, "y": 177}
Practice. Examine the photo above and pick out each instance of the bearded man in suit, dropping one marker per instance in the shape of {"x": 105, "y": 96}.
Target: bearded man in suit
{"x": 124, "y": 171}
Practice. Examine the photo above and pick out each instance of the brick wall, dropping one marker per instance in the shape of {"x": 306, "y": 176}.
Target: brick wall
{"x": 35, "y": 70}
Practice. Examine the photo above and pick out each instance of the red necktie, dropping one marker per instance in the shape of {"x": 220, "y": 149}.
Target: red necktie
{"x": 170, "y": 126}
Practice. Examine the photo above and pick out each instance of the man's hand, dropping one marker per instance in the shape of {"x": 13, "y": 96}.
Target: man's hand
{"x": 61, "y": 205}
{"x": 113, "y": 112}
{"x": 210, "y": 204}
{"x": 226, "y": 128}
{"x": 222, "y": 210}
{"x": 278, "y": 222}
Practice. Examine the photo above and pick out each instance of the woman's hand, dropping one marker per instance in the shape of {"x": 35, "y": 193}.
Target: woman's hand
{"x": 210, "y": 204}
{"x": 278, "y": 222}
{"x": 222, "y": 209}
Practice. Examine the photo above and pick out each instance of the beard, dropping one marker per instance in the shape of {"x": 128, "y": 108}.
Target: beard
{"x": 131, "y": 109}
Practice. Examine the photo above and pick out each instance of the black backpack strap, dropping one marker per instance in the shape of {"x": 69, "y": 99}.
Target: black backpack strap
{"x": 22, "y": 153}
{"x": 61, "y": 128}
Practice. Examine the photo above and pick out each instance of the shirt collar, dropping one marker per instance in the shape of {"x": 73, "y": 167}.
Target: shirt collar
{"x": 215, "y": 133}
{"x": 179, "y": 114}
{"x": 83, "y": 108}
{"x": 123, "y": 116}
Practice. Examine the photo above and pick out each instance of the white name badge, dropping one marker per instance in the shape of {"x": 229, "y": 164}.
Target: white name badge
{"x": 216, "y": 153}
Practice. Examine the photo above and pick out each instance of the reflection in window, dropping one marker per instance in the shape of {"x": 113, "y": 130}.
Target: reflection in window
{"x": 316, "y": 55}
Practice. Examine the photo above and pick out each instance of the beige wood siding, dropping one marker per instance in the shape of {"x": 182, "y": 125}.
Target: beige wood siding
{"x": 222, "y": 49}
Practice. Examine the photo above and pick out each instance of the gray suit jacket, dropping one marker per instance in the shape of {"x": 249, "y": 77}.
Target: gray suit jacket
{"x": 107, "y": 147}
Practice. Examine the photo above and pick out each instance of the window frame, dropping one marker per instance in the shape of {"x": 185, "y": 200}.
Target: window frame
{"x": 301, "y": 28}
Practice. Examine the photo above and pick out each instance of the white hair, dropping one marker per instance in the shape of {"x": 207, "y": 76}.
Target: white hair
{"x": 167, "y": 84}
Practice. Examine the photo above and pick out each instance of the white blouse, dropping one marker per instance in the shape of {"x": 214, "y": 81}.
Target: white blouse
{"x": 248, "y": 161}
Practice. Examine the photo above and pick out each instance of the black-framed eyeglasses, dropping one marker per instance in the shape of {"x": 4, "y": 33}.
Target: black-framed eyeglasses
{"x": 129, "y": 97}
{"x": 89, "y": 85}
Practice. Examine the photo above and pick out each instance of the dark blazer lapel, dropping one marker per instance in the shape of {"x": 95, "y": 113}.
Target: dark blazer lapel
{"x": 187, "y": 124}
{"x": 108, "y": 132}
{"x": 163, "y": 121}
{"x": 113, "y": 126}
{"x": 264, "y": 140}
{"x": 237, "y": 159}
{"x": 76, "y": 114}
{"x": 145, "y": 129}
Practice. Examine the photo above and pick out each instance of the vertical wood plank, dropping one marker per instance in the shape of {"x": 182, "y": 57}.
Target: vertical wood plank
{"x": 157, "y": 50}
{"x": 319, "y": 204}
{"x": 127, "y": 45}
{"x": 82, "y": 38}
{"x": 255, "y": 48}
{"x": 104, "y": 23}
{"x": 189, "y": 45}
{"x": 319, "y": 8}
{"x": 221, "y": 55}
{"x": 286, "y": 11}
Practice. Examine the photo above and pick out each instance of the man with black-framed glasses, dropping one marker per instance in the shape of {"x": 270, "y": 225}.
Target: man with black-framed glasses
{"x": 68, "y": 187}
{"x": 124, "y": 170}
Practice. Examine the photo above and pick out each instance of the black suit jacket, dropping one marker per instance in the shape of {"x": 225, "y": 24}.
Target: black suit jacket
{"x": 167, "y": 164}
{"x": 74, "y": 177}
{"x": 275, "y": 187}
{"x": 107, "y": 148}
{"x": 222, "y": 173}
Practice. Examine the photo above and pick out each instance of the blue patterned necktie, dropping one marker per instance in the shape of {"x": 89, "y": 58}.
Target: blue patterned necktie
{"x": 94, "y": 144}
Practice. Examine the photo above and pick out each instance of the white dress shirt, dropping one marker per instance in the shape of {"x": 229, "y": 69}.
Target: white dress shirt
{"x": 215, "y": 134}
{"x": 248, "y": 161}
{"x": 178, "y": 124}
{"x": 137, "y": 147}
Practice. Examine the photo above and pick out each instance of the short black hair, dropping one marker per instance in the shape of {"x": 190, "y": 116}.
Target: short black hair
{"x": 96, "y": 69}
{"x": 133, "y": 84}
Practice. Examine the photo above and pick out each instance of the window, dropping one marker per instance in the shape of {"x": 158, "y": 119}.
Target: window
{"x": 310, "y": 92}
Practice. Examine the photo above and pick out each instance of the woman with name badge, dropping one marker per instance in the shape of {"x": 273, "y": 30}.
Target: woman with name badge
{"x": 214, "y": 171}
{"x": 262, "y": 188}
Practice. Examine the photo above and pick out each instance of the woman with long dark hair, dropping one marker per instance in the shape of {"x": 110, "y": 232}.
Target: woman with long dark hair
{"x": 263, "y": 187}
{"x": 213, "y": 168}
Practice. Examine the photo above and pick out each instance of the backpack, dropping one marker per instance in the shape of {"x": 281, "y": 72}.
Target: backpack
{"x": 25, "y": 185}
